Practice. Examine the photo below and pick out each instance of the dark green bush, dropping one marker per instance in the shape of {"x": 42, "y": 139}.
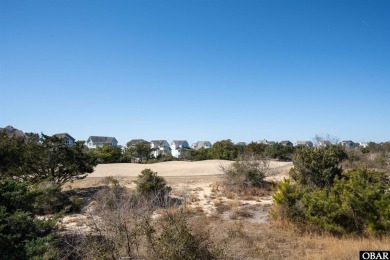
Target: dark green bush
{"x": 356, "y": 203}
{"x": 317, "y": 168}
{"x": 149, "y": 184}
{"x": 22, "y": 235}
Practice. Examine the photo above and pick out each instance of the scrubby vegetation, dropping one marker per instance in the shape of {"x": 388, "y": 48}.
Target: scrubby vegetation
{"x": 322, "y": 196}
{"x": 122, "y": 226}
{"x": 151, "y": 186}
{"x": 331, "y": 190}
{"x": 31, "y": 174}
{"x": 246, "y": 171}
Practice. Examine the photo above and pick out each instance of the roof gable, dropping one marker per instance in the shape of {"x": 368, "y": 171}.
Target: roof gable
{"x": 64, "y": 135}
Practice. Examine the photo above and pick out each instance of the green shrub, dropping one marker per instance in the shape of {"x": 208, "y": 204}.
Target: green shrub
{"x": 22, "y": 235}
{"x": 246, "y": 171}
{"x": 149, "y": 184}
{"x": 356, "y": 203}
{"x": 317, "y": 168}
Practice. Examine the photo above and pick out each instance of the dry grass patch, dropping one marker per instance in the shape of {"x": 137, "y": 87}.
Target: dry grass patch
{"x": 239, "y": 239}
{"x": 245, "y": 193}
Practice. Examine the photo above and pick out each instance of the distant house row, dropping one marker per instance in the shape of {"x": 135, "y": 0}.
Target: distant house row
{"x": 92, "y": 142}
{"x": 162, "y": 147}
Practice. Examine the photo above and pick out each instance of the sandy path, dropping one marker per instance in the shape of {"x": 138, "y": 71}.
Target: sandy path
{"x": 169, "y": 169}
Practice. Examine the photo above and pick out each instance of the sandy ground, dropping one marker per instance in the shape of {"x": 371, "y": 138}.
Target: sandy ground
{"x": 196, "y": 182}
{"x": 170, "y": 169}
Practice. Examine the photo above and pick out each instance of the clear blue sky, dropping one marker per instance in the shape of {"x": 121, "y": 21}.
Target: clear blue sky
{"x": 197, "y": 70}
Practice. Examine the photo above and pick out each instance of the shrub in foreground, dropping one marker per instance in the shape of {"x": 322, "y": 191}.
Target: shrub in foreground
{"x": 356, "y": 203}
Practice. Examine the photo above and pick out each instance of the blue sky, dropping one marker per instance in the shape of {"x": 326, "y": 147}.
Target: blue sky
{"x": 197, "y": 70}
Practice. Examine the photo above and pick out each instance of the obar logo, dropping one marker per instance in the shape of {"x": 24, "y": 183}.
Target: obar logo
{"x": 380, "y": 255}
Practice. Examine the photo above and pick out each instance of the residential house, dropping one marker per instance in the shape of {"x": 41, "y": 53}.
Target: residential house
{"x": 160, "y": 147}
{"x": 264, "y": 141}
{"x": 66, "y": 138}
{"x": 348, "y": 144}
{"x": 177, "y": 146}
{"x": 242, "y": 144}
{"x": 99, "y": 141}
{"x": 286, "y": 143}
{"x": 201, "y": 144}
{"x": 304, "y": 143}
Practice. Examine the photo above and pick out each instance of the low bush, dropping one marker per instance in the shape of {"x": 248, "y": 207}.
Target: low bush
{"x": 246, "y": 171}
{"x": 151, "y": 185}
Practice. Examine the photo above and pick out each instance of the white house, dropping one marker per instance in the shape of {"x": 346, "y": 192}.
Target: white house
{"x": 201, "y": 144}
{"x": 160, "y": 147}
{"x": 66, "y": 138}
{"x": 177, "y": 146}
{"x": 99, "y": 141}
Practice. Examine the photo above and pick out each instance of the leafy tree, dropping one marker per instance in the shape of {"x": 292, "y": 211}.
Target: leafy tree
{"x": 318, "y": 167}
{"x": 140, "y": 151}
{"x": 199, "y": 155}
{"x": 255, "y": 149}
{"x": 279, "y": 151}
{"x": 224, "y": 149}
{"x": 11, "y": 154}
{"x": 240, "y": 148}
{"x": 107, "y": 154}
{"x": 52, "y": 160}
{"x": 49, "y": 160}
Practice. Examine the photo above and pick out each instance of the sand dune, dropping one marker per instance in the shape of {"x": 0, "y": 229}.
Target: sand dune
{"x": 169, "y": 169}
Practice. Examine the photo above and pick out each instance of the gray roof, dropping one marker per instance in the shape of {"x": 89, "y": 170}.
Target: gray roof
{"x": 180, "y": 142}
{"x": 102, "y": 139}
{"x": 201, "y": 144}
{"x": 64, "y": 135}
{"x": 159, "y": 142}
{"x": 285, "y": 142}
